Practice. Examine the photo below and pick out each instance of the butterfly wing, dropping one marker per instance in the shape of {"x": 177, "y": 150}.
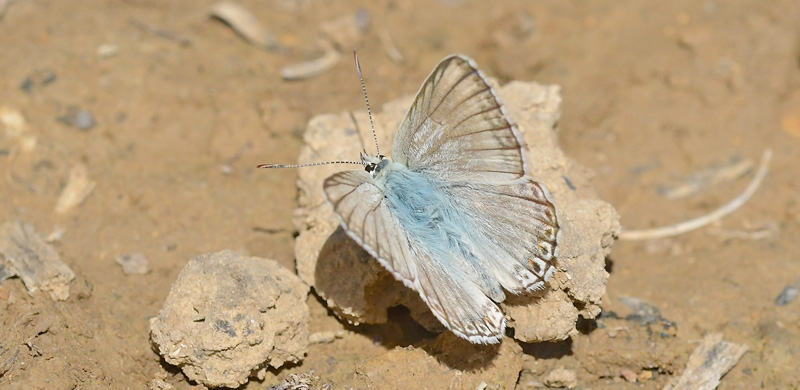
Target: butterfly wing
{"x": 453, "y": 294}
{"x": 457, "y": 129}
{"x": 520, "y": 225}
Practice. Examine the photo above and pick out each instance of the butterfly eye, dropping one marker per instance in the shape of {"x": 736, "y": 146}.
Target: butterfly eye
{"x": 369, "y": 167}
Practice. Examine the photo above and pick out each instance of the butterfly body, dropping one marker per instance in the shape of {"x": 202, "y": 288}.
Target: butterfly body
{"x": 454, "y": 214}
{"x": 436, "y": 224}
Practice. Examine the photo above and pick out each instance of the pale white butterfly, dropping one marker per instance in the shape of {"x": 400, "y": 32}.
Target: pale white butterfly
{"x": 455, "y": 216}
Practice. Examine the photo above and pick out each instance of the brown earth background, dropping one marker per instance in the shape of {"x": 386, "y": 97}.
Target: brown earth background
{"x": 652, "y": 92}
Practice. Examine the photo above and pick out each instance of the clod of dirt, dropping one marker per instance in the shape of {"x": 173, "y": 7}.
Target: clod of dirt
{"x": 30, "y": 257}
{"x": 447, "y": 362}
{"x": 561, "y": 378}
{"x": 228, "y": 316}
{"x": 629, "y": 345}
{"x": 19, "y": 335}
{"x": 359, "y": 290}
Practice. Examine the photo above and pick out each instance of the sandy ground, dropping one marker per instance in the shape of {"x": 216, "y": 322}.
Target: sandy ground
{"x": 653, "y": 92}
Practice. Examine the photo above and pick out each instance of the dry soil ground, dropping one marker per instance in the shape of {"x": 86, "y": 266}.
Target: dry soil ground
{"x": 653, "y": 92}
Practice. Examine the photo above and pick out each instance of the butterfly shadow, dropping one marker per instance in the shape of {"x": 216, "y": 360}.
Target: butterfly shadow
{"x": 358, "y": 289}
{"x": 459, "y": 354}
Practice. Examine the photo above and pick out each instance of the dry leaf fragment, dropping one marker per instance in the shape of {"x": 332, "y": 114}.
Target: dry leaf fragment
{"x": 313, "y": 68}
{"x": 708, "y": 363}
{"x": 245, "y": 24}
{"x": 78, "y": 188}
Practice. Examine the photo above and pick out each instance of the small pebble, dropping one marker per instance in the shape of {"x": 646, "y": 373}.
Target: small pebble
{"x": 56, "y": 235}
{"x": 643, "y": 312}
{"x": 84, "y": 120}
{"x": 788, "y": 295}
{"x": 645, "y": 375}
{"x": 569, "y": 183}
{"x": 133, "y": 264}
{"x": 628, "y": 374}
{"x": 561, "y": 378}
{"x": 363, "y": 19}
{"x": 78, "y": 117}
{"x": 107, "y": 50}
{"x": 325, "y": 337}
{"x": 39, "y": 78}
{"x": 12, "y": 122}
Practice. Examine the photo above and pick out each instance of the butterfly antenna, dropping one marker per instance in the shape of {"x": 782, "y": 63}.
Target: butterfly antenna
{"x": 306, "y": 165}
{"x": 369, "y": 112}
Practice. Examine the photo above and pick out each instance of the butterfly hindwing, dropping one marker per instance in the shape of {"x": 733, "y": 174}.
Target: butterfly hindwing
{"x": 520, "y": 227}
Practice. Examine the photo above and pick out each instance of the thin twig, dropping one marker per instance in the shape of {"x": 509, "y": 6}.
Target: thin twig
{"x": 170, "y": 35}
{"x": 312, "y": 68}
{"x": 388, "y": 44}
{"x": 722, "y": 212}
{"x": 3, "y": 7}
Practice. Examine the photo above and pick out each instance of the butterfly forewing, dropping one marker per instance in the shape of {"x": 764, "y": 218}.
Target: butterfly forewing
{"x": 364, "y": 214}
{"x": 458, "y": 129}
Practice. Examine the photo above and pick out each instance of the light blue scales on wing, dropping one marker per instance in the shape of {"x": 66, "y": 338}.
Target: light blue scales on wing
{"x": 455, "y": 216}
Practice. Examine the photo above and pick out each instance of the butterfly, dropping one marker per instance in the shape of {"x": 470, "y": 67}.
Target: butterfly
{"x": 453, "y": 214}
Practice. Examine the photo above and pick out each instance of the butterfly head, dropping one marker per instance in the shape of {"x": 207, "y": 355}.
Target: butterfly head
{"x": 374, "y": 164}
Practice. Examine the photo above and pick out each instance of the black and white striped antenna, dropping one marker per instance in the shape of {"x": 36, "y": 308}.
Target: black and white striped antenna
{"x": 307, "y": 165}
{"x": 372, "y": 125}
{"x": 366, "y": 99}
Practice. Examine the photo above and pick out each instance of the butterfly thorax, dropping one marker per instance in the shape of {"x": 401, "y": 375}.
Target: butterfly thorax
{"x": 424, "y": 209}
{"x": 374, "y": 164}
